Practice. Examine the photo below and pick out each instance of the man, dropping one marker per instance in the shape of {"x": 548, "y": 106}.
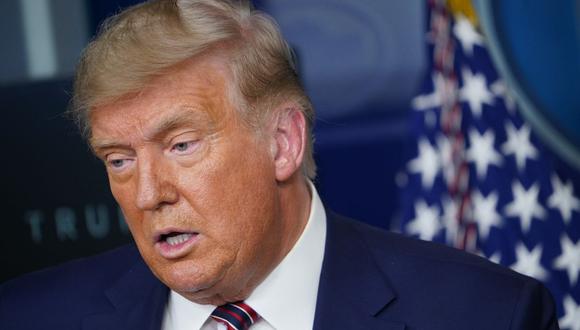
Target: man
{"x": 198, "y": 115}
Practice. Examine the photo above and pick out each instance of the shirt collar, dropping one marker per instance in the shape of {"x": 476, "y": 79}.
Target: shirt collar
{"x": 291, "y": 286}
{"x": 181, "y": 313}
{"x": 287, "y": 297}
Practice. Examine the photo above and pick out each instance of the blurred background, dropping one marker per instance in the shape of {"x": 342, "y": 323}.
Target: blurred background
{"x": 455, "y": 121}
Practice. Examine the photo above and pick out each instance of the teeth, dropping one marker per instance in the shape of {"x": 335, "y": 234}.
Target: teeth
{"x": 181, "y": 238}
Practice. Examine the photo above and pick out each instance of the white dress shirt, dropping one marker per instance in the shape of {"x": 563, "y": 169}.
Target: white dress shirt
{"x": 285, "y": 300}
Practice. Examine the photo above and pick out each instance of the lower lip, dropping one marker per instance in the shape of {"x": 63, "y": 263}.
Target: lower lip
{"x": 169, "y": 251}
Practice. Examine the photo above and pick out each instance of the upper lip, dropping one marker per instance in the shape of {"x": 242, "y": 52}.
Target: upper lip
{"x": 160, "y": 233}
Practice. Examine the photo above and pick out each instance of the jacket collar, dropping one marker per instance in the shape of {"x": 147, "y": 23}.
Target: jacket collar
{"x": 138, "y": 298}
{"x": 353, "y": 290}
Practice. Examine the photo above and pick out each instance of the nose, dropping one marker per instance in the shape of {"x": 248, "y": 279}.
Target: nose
{"x": 154, "y": 186}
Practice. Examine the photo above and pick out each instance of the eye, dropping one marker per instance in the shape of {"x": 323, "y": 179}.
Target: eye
{"x": 117, "y": 163}
{"x": 184, "y": 148}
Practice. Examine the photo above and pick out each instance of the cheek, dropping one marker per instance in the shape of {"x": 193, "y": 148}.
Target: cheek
{"x": 125, "y": 198}
{"x": 249, "y": 199}
{"x": 118, "y": 188}
{"x": 233, "y": 193}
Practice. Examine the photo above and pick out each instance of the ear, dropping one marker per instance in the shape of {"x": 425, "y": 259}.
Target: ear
{"x": 289, "y": 139}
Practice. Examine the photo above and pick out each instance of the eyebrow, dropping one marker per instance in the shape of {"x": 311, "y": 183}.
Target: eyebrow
{"x": 186, "y": 116}
{"x": 97, "y": 145}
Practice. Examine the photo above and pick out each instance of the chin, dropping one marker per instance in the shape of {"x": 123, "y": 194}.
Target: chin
{"x": 189, "y": 279}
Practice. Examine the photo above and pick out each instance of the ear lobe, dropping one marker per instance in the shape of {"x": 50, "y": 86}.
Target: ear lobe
{"x": 289, "y": 139}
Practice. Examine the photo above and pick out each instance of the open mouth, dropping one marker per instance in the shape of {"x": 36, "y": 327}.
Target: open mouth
{"x": 175, "y": 238}
{"x": 175, "y": 244}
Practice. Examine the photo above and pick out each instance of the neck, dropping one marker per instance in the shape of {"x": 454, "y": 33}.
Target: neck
{"x": 295, "y": 199}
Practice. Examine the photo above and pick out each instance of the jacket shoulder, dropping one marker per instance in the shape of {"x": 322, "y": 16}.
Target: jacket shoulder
{"x": 436, "y": 284}
{"x": 64, "y": 291}
{"x": 396, "y": 249}
{"x": 83, "y": 274}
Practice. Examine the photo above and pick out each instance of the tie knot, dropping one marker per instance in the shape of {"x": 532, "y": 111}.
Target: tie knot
{"x": 236, "y": 316}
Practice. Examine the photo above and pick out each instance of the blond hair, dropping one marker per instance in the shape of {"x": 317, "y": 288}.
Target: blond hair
{"x": 145, "y": 40}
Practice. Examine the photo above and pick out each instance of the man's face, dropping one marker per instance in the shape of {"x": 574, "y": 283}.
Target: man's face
{"x": 197, "y": 187}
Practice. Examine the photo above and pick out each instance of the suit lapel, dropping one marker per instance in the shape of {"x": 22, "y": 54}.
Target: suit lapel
{"x": 353, "y": 291}
{"x": 138, "y": 300}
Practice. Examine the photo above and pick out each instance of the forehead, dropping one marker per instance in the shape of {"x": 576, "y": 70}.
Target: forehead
{"x": 200, "y": 87}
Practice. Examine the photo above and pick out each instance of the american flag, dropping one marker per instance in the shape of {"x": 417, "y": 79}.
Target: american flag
{"x": 478, "y": 178}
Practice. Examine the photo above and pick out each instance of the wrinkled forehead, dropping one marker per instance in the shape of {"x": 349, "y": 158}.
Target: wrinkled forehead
{"x": 205, "y": 84}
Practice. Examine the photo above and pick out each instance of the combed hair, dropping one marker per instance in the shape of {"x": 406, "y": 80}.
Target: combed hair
{"x": 146, "y": 40}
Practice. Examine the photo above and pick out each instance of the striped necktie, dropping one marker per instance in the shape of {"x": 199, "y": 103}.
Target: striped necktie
{"x": 236, "y": 316}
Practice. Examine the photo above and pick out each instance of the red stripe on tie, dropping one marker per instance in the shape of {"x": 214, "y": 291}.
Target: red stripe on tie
{"x": 236, "y": 316}
{"x": 252, "y": 313}
{"x": 233, "y": 314}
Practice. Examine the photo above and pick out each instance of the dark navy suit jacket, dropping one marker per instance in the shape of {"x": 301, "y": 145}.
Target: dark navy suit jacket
{"x": 370, "y": 279}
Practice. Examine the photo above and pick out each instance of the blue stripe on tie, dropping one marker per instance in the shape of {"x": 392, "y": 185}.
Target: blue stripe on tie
{"x": 235, "y": 315}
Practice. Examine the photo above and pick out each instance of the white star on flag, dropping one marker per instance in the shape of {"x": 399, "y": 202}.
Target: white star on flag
{"x": 426, "y": 222}
{"x": 467, "y": 35}
{"x": 525, "y": 205}
{"x": 499, "y": 89}
{"x": 528, "y": 262}
{"x": 427, "y": 163}
{"x": 518, "y": 143}
{"x": 485, "y": 213}
{"x": 434, "y": 99}
{"x": 482, "y": 152}
{"x": 475, "y": 92}
{"x": 563, "y": 199}
{"x": 495, "y": 258}
{"x": 569, "y": 259}
{"x": 571, "y": 319}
